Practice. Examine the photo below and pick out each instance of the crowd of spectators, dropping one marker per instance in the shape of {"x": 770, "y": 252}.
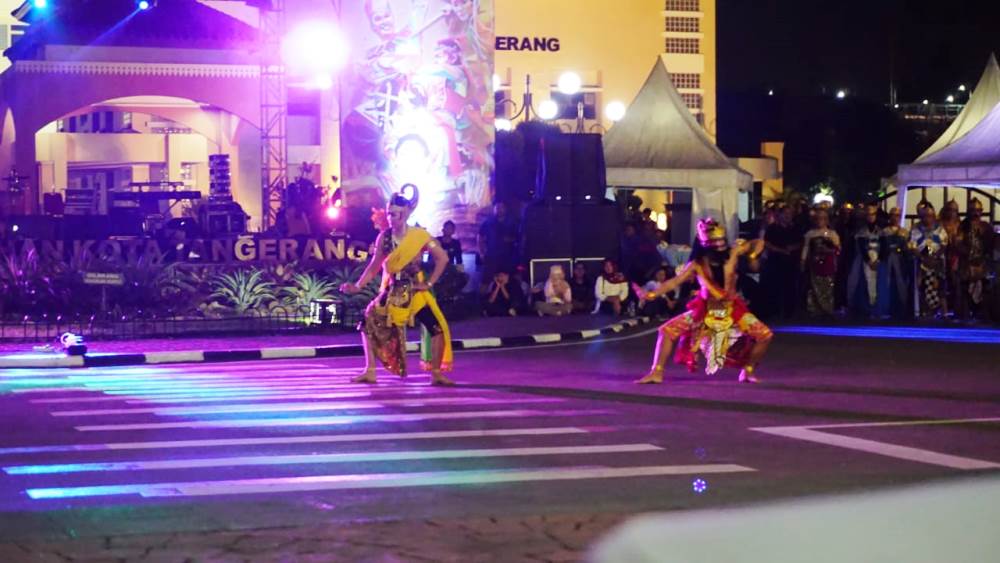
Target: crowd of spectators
{"x": 821, "y": 262}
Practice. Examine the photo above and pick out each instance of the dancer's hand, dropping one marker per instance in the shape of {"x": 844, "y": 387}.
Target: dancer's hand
{"x": 349, "y": 288}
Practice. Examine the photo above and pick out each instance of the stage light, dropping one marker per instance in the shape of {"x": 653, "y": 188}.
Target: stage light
{"x": 333, "y": 212}
{"x": 548, "y": 110}
{"x": 699, "y": 486}
{"x": 314, "y": 48}
{"x": 841, "y": 94}
{"x": 496, "y": 83}
{"x": 570, "y": 83}
{"x": 40, "y": 4}
{"x": 143, "y": 4}
{"x": 322, "y": 82}
{"x": 615, "y": 111}
{"x": 15, "y": 228}
{"x": 770, "y": 92}
{"x": 896, "y": 106}
{"x": 503, "y": 125}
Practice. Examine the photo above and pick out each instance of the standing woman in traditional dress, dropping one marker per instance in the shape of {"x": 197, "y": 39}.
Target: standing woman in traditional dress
{"x": 895, "y": 270}
{"x": 405, "y": 296}
{"x": 819, "y": 261}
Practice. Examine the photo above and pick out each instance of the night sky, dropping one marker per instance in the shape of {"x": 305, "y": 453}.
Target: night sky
{"x": 798, "y": 47}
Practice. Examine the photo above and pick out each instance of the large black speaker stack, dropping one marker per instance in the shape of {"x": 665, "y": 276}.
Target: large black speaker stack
{"x": 570, "y": 217}
{"x": 220, "y": 215}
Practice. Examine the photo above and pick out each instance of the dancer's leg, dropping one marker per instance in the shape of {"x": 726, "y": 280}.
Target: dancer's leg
{"x": 762, "y": 337}
{"x": 668, "y": 333}
{"x": 368, "y": 375}
{"x": 437, "y": 359}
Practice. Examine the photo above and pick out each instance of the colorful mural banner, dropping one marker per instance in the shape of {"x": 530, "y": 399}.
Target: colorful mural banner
{"x": 417, "y": 105}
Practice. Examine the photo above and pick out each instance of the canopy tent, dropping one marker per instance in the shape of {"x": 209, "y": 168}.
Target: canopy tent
{"x": 981, "y": 102}
{"x": 659, "y": 145}
{"x": 967, "y": 154}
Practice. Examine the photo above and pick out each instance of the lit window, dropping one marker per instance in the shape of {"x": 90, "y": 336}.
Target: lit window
{"x": 685, "y": 25}
{"x": 686, "y": 80}
{"x": 682, "y": 6}
{"x": 693, "y": 101}
{"x": 682, "y": 45}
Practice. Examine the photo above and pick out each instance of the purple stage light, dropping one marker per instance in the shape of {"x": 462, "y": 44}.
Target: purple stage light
{"x": 40, "y": 4}
{"x": 143, "y": 5}
{"x": 699, "y": 486}
{"x": 332, "y": 212}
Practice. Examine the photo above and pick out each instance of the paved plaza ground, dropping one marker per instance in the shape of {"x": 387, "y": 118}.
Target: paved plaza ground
{"x": 534, "y": 456}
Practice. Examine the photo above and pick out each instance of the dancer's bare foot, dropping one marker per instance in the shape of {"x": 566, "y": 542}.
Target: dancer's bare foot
{"x": 438, "y": 378}
{"x": 747, "y": 376}
{"x": 655, "y": 375}
{"x": 368, "y": 376}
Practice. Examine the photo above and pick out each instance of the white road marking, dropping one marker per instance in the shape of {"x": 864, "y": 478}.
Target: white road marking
{"x": 289, "y": 440}
{"x": 334, "y": 420}
{"x": 305, "y": 407}
{"x": 809, "y": 434}
{"x": 590, "y": 333}
{"x": 383, "y": 480}
{"x": 471, "y": 343}
{"x": 357, "y": 457}
{"x": 259, "y": 395}
{"x": 299, "y": 352}
{"x": 546, "y": 338}
{"x": 174, "y": 357}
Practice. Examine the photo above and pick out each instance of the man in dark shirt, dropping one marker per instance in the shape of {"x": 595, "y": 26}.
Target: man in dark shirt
{"x": 780, "y": 273}
{"x": 498, "y": 242}
{"x": 450, "y": 244}
{"x": 582, "y": 289}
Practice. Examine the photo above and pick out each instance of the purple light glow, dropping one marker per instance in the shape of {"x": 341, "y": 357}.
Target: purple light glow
{"x": 699, "y": 486}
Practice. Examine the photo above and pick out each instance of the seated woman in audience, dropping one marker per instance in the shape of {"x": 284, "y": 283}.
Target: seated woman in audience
{"x": 558, "y": 298}
{"x": 611, "y": 289}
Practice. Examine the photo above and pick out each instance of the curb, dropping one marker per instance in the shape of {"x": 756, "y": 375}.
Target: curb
{"x": 22, "y": 361}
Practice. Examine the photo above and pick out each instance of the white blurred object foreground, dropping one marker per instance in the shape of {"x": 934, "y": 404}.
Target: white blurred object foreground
{"x": 953, "y": 522}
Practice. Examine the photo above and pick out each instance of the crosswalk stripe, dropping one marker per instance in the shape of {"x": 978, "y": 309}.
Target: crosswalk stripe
{"x": 303, "y": 407}
{"x": 333, "y": 420}
{"x": 197, "y": 390}
{"x": 206, "y": 463}
{"x": 262, "y": 395}
{"x": 291, "y": 440}
{"x": 383, "y": 480}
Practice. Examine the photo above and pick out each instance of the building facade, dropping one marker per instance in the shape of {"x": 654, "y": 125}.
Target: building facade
{"x": 612, "y": 46}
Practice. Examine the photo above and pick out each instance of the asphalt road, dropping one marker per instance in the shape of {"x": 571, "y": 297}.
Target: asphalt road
{"x": 544, "y": 432}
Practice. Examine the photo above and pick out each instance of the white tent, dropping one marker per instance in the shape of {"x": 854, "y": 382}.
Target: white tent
{"x": 966, "y": 153}
{"x": 971, "y": 161}
{"x": 659, "y": 145}
{"x": 982, "y": 100}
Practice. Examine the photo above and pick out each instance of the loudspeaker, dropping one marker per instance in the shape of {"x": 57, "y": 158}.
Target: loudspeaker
{"x": 555, "y": 170}
{"x": 548, "y": 231}
{"x": 52, "y": 204}
{"x": 596, "y": 231}
{"x": 589, "y": 181}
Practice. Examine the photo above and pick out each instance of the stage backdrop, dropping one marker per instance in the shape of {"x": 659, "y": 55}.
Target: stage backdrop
{"x": 417, "y": 104}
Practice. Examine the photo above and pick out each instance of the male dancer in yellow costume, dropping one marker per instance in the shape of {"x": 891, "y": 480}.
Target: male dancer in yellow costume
{"x": 405, "y": 296}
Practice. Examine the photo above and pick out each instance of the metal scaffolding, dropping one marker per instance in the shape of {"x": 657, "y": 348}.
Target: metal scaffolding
{"x": 273, "y": 111}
